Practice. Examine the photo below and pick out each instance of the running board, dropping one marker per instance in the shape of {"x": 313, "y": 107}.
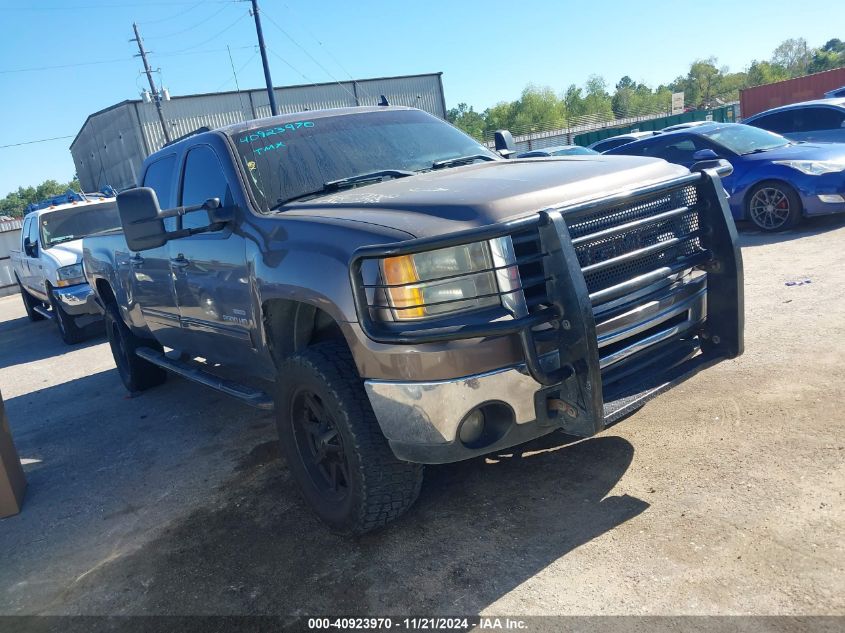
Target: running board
{"x": 45, "y": 312}
{"x": 190, "y": 370}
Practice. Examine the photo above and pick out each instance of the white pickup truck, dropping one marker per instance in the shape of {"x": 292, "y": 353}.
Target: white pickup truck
{"x": 48, "y": 266}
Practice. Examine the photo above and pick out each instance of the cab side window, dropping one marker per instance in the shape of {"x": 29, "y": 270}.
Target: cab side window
{"x": 25, "y": 230}
{"x": 32, "y": 230}
{"x": 159, "y": 178}
{"x": 813, "y": 119}
{"x": 203, "y": 179}
{"x": 779, "y": 122}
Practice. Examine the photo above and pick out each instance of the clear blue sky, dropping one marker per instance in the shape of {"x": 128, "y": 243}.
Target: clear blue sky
{"x": 488, "y": 51}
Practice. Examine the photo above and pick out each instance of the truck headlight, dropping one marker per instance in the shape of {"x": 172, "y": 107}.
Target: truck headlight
{"x": 441, "y": 282}
{"x": 814, "y": 167}
{"x": 69, "y": 275}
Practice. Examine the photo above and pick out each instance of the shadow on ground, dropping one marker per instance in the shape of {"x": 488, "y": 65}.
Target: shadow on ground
{"x": 480, "y": 528}
{"x": 749, "y": 235}
{"x": 25, "y": 341}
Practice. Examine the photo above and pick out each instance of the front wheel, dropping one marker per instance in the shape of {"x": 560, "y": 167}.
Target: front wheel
{"x": 136, "y": 373}
{"x": 774, "y": 206}
{"x": 335, "y": 449}
{"x": 70, "y": 332}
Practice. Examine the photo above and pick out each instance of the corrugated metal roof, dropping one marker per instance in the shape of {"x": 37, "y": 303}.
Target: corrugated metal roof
{"x": 10, "y": 225}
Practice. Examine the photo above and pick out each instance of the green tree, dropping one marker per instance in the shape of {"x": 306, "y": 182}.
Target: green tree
{"x": 828, "y": 57}
{"x": 14, "y": 204}
{"x": 538, "y": 108}
{"x": 794, "y": 55}
{"x": 764, "y": 72}
{"x": 467, "y": 119}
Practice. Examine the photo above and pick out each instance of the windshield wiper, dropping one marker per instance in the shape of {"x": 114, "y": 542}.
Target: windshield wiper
{"x": 63, "y": 238}
{"x": 343, "y": 183}
{"x": 460, "y": 160}
{"x": 760, "y": 150}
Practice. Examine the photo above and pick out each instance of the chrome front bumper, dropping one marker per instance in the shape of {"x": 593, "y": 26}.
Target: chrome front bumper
{"x": 77, "y": 300}
{"x": 421, "y": 420}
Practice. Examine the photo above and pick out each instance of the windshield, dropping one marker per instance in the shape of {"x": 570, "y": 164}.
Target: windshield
{"x": 291, "y": 160}
{"x": 77, "y": 222}
{"x": 745, "y": 139}
{"x": 574, "y": 151}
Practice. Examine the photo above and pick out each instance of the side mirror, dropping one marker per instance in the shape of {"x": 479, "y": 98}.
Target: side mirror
{"x": 705, "y": 154}
{"x": 141, "y": 218}
{"x": 722, "y": 167}
{"x": 30, "y": 247}
{"x": 504, "y": 143}
{"x": 218, "y": 214}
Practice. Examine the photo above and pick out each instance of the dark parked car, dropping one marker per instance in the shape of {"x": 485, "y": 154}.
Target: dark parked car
{"x": 685, "y": 126}
{"x": 822, "y": 121}
{"x": 558, "y": 150}
{"x": 833, "y": 94}
{"x": 775, "y": 181}
{"x": 615, "y": 141}
{"x": 401, "y": 295}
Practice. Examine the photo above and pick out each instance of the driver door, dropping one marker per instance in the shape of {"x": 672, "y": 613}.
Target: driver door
{"x": 209, "y": 269}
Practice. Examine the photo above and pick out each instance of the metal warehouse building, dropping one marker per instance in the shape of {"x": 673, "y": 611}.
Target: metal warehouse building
{"x": 112, "y": 143}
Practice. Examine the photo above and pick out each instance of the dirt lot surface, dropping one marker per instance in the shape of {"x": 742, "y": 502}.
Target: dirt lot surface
{"x": 724, "y": 495}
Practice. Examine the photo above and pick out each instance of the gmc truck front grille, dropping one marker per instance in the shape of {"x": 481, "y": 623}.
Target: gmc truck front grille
{"x": 655, "y": 239}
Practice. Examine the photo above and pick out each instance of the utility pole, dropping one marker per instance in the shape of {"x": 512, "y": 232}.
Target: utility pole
{"x": 274, "y": 109}
{"x": 156, "y": 95}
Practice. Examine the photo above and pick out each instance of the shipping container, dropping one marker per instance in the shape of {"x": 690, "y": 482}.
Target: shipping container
{"x": 806, "y": 88}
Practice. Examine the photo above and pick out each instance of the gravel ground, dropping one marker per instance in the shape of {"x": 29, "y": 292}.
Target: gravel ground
{"x": 722, "y": 496}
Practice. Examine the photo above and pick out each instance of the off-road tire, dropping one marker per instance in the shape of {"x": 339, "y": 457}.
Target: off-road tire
{"x": 70, "y": 332}
{"x": 380, "y": 487}
{"x": 789, "y": 197}
{"x": 29, "y": 303}
{"x": 136, "y": 373}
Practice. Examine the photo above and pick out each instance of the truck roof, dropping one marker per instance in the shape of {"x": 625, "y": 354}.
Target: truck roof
{"x": 68, "y": 205}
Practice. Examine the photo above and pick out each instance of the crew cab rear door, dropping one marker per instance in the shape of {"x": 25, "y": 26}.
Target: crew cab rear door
{"x": 209, "y": 269}
{"x": 150, "y": 277}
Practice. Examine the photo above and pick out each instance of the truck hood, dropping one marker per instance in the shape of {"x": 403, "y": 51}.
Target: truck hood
{"x": 64, "y": 254}
{"x": 449, "y": 200}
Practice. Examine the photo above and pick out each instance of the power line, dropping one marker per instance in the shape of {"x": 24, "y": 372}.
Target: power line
{"x": 112, "y": 61}
{"x": 329, "y": 53}
{"x": 190, "y": 28}
{"x": 84, "y": 7}
{"x": 174, "y": 16}
{"x": 41, "y": 140}
{"x": 213, "y": 37}
{"x": 291, "y": 66}
{"x": 310, "y": 56}
{"x": 235, "y": 73}
{"x": 37, "y": 68}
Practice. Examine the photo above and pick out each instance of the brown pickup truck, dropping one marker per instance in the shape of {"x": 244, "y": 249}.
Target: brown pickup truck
{"x": 402, "y": 295}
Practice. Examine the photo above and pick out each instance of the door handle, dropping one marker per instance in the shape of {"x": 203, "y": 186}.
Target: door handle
{"x": 136, "y": 260}
{"x": 179, "y": 261}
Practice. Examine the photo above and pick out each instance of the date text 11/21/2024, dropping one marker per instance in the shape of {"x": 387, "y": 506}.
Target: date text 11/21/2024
{"x": 419, "y": 624}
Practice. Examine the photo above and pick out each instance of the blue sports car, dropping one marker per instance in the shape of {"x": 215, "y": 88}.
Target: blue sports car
{"x": 775, "y": 182}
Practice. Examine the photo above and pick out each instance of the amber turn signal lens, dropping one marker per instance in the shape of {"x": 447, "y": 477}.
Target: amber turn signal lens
{"x": 401, "y": 270}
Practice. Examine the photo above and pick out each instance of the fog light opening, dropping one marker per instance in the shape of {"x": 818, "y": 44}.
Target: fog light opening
{"x": 831, "y": 198}
{"x": 486, "y": 424}
{"x": 472, "y": 428}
